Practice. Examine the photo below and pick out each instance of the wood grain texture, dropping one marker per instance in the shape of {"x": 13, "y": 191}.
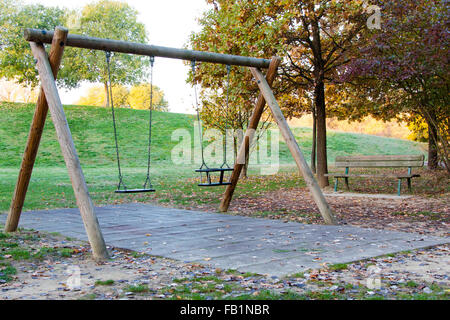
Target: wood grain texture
{"x": 289, "y": 138}
{"x": 378, "y": 164}
{"x": 408, "y": 157}
{"x": 69, "y": 152}
{"x": 34, "y": 136}
{"x": 380, "y": 161}
{"x": 248, "y": 138}
{"x": 80, "y": 41}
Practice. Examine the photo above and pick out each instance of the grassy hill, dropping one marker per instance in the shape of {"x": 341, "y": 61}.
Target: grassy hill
{"x": 93, "y": 136}
{"x": 92, "y": 131}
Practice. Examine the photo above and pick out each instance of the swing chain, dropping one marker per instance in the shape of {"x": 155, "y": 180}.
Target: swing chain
{"x": 110, "y": 96}
{"x": 226, "y": 121}
{"x": 200, "y": 131}
{"x": 147, "y": 180}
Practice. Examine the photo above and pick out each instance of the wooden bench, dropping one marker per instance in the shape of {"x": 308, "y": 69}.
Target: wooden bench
{"x": 397, "y": 161}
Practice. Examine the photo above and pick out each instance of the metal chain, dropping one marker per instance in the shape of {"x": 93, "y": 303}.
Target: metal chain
{"x": 200, "y": 131}
{"x": 110, "y": 96}
{"x": 226, "y": 120}
{"x": 147, "y": 180}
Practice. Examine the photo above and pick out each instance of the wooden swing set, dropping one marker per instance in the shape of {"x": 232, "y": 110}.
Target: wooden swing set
{"x": 48, "y": 65}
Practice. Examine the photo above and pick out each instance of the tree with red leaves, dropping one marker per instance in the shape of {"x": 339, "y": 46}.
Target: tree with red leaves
{"x": 402, "y": 71}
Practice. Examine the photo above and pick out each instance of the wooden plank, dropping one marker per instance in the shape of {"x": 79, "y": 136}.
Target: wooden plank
{"x": 289, "y": 138}
{"x": 378, "y": 164}
{"x": 398, "y": 176}
{"x": 34, "y": 136}
{"x": 419, "y": 157}
{"x": 244, "y": 148}
{"x": 85, "y": 42}
{"x": 69, "y": 152}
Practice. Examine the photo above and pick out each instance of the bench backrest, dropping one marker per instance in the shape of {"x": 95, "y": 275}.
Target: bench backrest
{"x": 380, "y": 161}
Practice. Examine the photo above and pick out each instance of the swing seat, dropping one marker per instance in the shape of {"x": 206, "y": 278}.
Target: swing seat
{"x": 209, "y": 182}
{"x": 134, "y": 190}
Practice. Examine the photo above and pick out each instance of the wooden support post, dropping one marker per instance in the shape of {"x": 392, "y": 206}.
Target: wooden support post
{"x": 244, "y": 149}
{"x": 69, "y": 152}
{"x": 289, "y": 138}
{"x": 34, "y": 137}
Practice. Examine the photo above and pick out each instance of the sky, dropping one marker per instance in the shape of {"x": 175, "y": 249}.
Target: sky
{"x": 169, "y": 23}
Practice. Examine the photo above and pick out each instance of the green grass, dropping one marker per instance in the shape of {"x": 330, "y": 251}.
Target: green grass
{"x": 6, "y": 271}
{"x": 137, "y": 288}
{"x": 92, "y": 132}
{"x": 90, "y": 296}
{"x": 16, "y": 247}
{"x": 338, "y": 266}
{"x": 104, "y": 283}
{"x": 91, "y": 127}
{"x": 20, "y": 254}
{"x": 411, "y": 284}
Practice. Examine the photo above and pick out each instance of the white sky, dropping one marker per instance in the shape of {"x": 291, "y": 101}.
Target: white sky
{"x": 168, "y": 23}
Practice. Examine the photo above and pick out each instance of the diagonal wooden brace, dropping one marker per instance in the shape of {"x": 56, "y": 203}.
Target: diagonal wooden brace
{"x": 69, "y": 152}
{"x": 244, "y": 149}
{"x": 289, "y": 138}
{"x": 34, "y": 137}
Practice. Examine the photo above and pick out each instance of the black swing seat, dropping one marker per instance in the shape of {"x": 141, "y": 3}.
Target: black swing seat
{"x": 209, "y": 182}
{"x": 134, "y": 190}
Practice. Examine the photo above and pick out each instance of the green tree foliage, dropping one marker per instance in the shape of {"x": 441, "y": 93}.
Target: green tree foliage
{"x": 16, "y": 60}
{"x": 313, "y": 36}
{"x": 106, "y": 19}
{"x": 402, "y": 71}
{"x": 233, "y": 28}
{"x": 139, "y": 98}
{"x": 112, "y": 20}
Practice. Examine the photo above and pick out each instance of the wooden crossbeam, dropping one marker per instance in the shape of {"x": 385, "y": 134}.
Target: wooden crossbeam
{"x": 93, "y": 43}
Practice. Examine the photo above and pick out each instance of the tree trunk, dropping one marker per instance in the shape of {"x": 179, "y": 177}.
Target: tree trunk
{"x": 322, "y": 167}
{"x": 314, "y": 140}
{"x": 319, "y": 100}
{"x": 432, "y": 143}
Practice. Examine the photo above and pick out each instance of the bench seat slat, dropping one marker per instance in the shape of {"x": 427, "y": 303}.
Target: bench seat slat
{"x": 378, "y": 164}
{"x": 380, "y": 161}
{"x": 398, "y": 176}
{"x": 407, "y": 157}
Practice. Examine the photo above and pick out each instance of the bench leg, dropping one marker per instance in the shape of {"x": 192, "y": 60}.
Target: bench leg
{"x": 409, "y": 185}
{"x": 346, "y": 184}
{"x": 399, "y": 187}
{"x": 336, "y": 184}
